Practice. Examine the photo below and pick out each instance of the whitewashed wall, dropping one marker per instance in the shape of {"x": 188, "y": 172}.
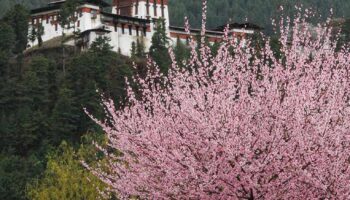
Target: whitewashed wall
{"x": 85, "y": 21}
{"x": 124, "y": 41}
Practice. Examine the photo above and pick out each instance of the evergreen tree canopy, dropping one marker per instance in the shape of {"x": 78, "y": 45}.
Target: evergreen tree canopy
{"x": 17, "y": 18}
{"x": 159, "y": 48}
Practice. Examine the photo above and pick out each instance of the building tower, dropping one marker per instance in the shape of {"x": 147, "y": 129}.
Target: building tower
{"x": 145, "y": 9}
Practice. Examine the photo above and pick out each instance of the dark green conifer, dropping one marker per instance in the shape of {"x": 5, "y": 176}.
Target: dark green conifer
{"x": 159, "y": 47}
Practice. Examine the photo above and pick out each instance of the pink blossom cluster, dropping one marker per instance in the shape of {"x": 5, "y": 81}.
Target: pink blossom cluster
{"x": 240, "y": 124}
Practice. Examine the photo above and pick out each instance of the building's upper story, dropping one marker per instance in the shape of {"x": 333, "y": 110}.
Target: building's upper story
{"x": 126, "y": 22}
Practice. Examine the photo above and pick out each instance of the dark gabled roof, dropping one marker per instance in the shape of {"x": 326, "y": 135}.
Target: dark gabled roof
{"x": 95, "y": 30}
{"x": 124, "y": 19}
{"x": 56, "y": 5}
{"x": 57, "y": 2}
{"x": 96, "y": 2}
{"x": 198, "y": 31}
{"x": 248, "y": 26}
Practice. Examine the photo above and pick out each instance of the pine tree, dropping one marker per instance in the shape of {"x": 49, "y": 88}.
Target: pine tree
{"x": 64, "y": 118}
{"x": 140, "y": 49}
{"x": 87, "y": 74}
{"x": 159, "y": 47}
{"x": 181, "y": 52}
{"x": 67, "y": 15}
{"x": 7, "y": 37}
{"x": 101, "y": 45}
{"x": 39, "y": 33}
{"x": 66, "y": 18}
{"x": 133, "y": 50}
{"x": 36, "y": 82}
{"x": 15, "y": 173}
{"x": 17, "y": 18}
{"x": 32, "y": 107}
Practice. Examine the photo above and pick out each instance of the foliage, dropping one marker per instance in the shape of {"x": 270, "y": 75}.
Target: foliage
{"x": 140, "y": 49}
{"x": 65, "y": 178}
{"x": 17, "y": 18}
{"x": 14, "y": 174}
{"x": 344, "y": 31}
{"x": 39, "y": 33}
{"x": 7, "y": 37}
{"x": 98, "y": 69}
{"x": 259, "y": 12}
{"x": 101, "y": 45}
{"x": 64, "y": 118}
{"x": 39, "y": 107}
{"x": 25, "y": 117}
{"x": 67, "y": 14}
{"x": 159, "y": 48}
{"x": 181, "y": 52}
{"x": 133, "y": 50}
{"x": 237, "y": 127}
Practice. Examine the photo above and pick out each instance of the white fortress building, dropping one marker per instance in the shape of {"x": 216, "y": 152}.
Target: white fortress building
{"x": 129, "y": 21}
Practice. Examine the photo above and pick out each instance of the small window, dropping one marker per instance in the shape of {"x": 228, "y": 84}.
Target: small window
{"x": 145, "y": 31}
{"x": 137, "y": 7}
{"x": 93, "y": 14}
{"x": 147, "y": 7}
{"x": 162, "y": 7}
{"x": 130, "y": 30}
{"x": 155, "y": 8}
{"x": 137, "y": 31}
{"x": 123, "y": 29}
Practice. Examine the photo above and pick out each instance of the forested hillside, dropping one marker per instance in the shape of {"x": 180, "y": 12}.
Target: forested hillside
{"x": 223, "y": 11}
{"x": 7, "y": 4}
{"x": 256, "y": 11}
{"x": 44, "y": 132}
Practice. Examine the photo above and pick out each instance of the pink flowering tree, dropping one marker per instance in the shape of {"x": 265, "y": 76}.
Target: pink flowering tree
{"x": 237, "y": 125}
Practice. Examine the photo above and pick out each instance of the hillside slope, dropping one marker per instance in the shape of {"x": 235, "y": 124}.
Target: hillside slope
{"x": 6, "y": 4}
{"x": 256, "y": 11}
{"x": 223, "y": 11}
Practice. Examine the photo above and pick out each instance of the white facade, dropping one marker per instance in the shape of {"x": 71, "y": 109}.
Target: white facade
{"x": 122, "y": 30}
{"x": 52, "y": 29}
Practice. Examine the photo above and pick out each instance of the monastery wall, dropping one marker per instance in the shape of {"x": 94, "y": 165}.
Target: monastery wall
{"x": 91, "y": 22}
{"x": 87, "y": 17}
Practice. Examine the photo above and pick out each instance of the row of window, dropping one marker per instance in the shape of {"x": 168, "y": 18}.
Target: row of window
{"x": 56, "y": 25}
{"x": 154, "y": 7}
{"x": 41, "y": 19}
{"x": 138, "y": 30}
{"x": 49, "y": 18}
